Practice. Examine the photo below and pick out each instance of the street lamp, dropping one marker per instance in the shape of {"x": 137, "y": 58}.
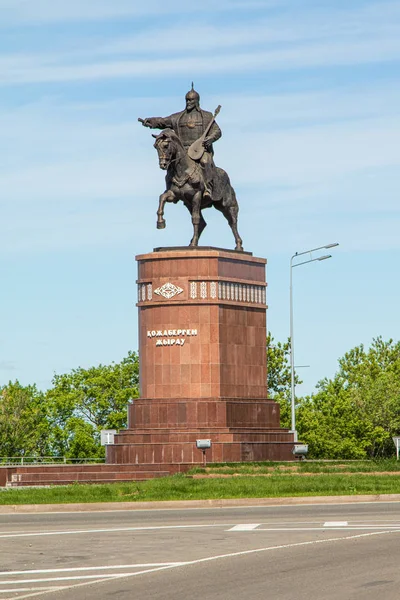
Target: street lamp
{"x": 319, "y": 258}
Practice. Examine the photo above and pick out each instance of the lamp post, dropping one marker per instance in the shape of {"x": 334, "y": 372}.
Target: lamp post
{"x": 292, "y": 374}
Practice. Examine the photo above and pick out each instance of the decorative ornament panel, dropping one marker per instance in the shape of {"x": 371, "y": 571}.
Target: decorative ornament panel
{"x": 168, "y": 290}
{"x": 193, "y": 290}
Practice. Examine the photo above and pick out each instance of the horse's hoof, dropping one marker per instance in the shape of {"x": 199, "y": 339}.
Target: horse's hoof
{"x": 239, "y": 248}
{"x": 161, "y": 224}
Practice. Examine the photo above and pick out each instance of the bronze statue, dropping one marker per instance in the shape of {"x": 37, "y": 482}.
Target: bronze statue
{"x": 185, "y": 151}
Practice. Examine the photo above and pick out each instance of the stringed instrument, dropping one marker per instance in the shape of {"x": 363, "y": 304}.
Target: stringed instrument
{"x": 196, "y": 150}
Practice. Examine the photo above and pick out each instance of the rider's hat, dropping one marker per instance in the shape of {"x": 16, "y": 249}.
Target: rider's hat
{"x": 192, "y": 94}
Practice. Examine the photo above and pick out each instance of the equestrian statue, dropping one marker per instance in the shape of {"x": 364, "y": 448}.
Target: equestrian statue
{"x": 185, "y": 151}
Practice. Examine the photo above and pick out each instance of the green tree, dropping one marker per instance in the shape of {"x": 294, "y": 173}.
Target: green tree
{"x": 279, "y": 376}
{"x": 355, "y": 414}
{"x": 87, "y": 400}
{"x": 24, "y": 424}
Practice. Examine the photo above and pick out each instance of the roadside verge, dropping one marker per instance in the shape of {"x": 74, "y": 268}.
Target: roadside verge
{"x": 187, "y": 504}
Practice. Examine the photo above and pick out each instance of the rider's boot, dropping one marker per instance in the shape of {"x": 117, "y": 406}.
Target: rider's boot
{"x": 208, "y": 173}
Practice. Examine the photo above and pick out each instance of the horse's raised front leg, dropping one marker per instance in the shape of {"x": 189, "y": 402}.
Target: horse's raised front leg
{"x": 196, "y": 218}
{"x": 167, "y": 196}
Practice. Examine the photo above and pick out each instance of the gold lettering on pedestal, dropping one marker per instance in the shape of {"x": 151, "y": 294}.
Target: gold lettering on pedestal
{"x": 171, "y": 337}
{"x": 170, "y": 342}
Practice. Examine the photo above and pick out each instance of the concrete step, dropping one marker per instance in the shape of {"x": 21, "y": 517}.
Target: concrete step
{"x": 87, "y": 468}
{"x": 34, "y": 478}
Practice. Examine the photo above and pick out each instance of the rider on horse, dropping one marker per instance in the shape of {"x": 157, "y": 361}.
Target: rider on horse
{"x": 189, "y": 125}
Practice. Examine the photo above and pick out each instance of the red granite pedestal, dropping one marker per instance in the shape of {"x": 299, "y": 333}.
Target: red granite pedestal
{"x": 202, "y": 334}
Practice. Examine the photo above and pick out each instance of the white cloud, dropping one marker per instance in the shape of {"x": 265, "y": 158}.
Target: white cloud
{"x": 286, "y": 27}
{"x": 293, "y": 39}
{"x": 312, "y": 55}
{"x": 317, "y": 153}
{"x": 19, "y": 12}
{"x": 296, "y": 109}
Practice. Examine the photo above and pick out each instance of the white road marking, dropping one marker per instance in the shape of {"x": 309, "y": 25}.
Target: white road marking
{"x": 105, "y": 575}
{"x": 348, "y": 527}
{"x": 237, "y": 527}
{"x": 48, "y": 589}
{"x": 212, "y": 558}
{"x": 100, "y": 580}
{"x": 111, "y": 530}
{"x": 102, "y": 568}
{"x": 245, "y": 527}
{"x": 294, "y": 545}
{"x": 335, "y": 524}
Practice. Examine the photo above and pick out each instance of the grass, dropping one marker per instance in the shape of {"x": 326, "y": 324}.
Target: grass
{"x": 251, "y": 484}
{"x": 300, "y": 467}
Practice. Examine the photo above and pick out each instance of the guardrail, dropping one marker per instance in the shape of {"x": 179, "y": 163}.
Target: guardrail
{"x": 7, "y": 461}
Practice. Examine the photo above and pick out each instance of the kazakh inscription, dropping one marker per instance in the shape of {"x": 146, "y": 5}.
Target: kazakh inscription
{"x": 171, "y": 337}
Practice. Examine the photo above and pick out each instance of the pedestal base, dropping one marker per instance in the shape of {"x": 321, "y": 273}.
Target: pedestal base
{"x": 165, "y": 432}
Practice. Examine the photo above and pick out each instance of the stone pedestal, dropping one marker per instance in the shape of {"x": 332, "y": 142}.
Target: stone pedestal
{"x": 202, "y": 336}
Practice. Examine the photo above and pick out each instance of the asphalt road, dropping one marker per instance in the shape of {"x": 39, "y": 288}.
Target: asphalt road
{"x": 346, "y": 552}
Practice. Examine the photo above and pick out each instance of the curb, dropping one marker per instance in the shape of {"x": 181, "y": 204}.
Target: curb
{"x": 194, "y": 504}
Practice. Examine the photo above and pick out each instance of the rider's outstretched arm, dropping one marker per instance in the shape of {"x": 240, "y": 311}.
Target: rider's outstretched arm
{"x": 158, "y": 122}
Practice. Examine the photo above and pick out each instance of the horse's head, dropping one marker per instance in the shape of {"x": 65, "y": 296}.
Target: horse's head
{"x": 166, "y": 147}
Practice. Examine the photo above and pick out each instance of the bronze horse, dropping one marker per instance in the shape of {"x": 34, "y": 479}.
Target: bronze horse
{"x": 185, "y": 181}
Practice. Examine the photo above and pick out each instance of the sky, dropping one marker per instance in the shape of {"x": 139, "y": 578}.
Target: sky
{"x": 310, "y": 119}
